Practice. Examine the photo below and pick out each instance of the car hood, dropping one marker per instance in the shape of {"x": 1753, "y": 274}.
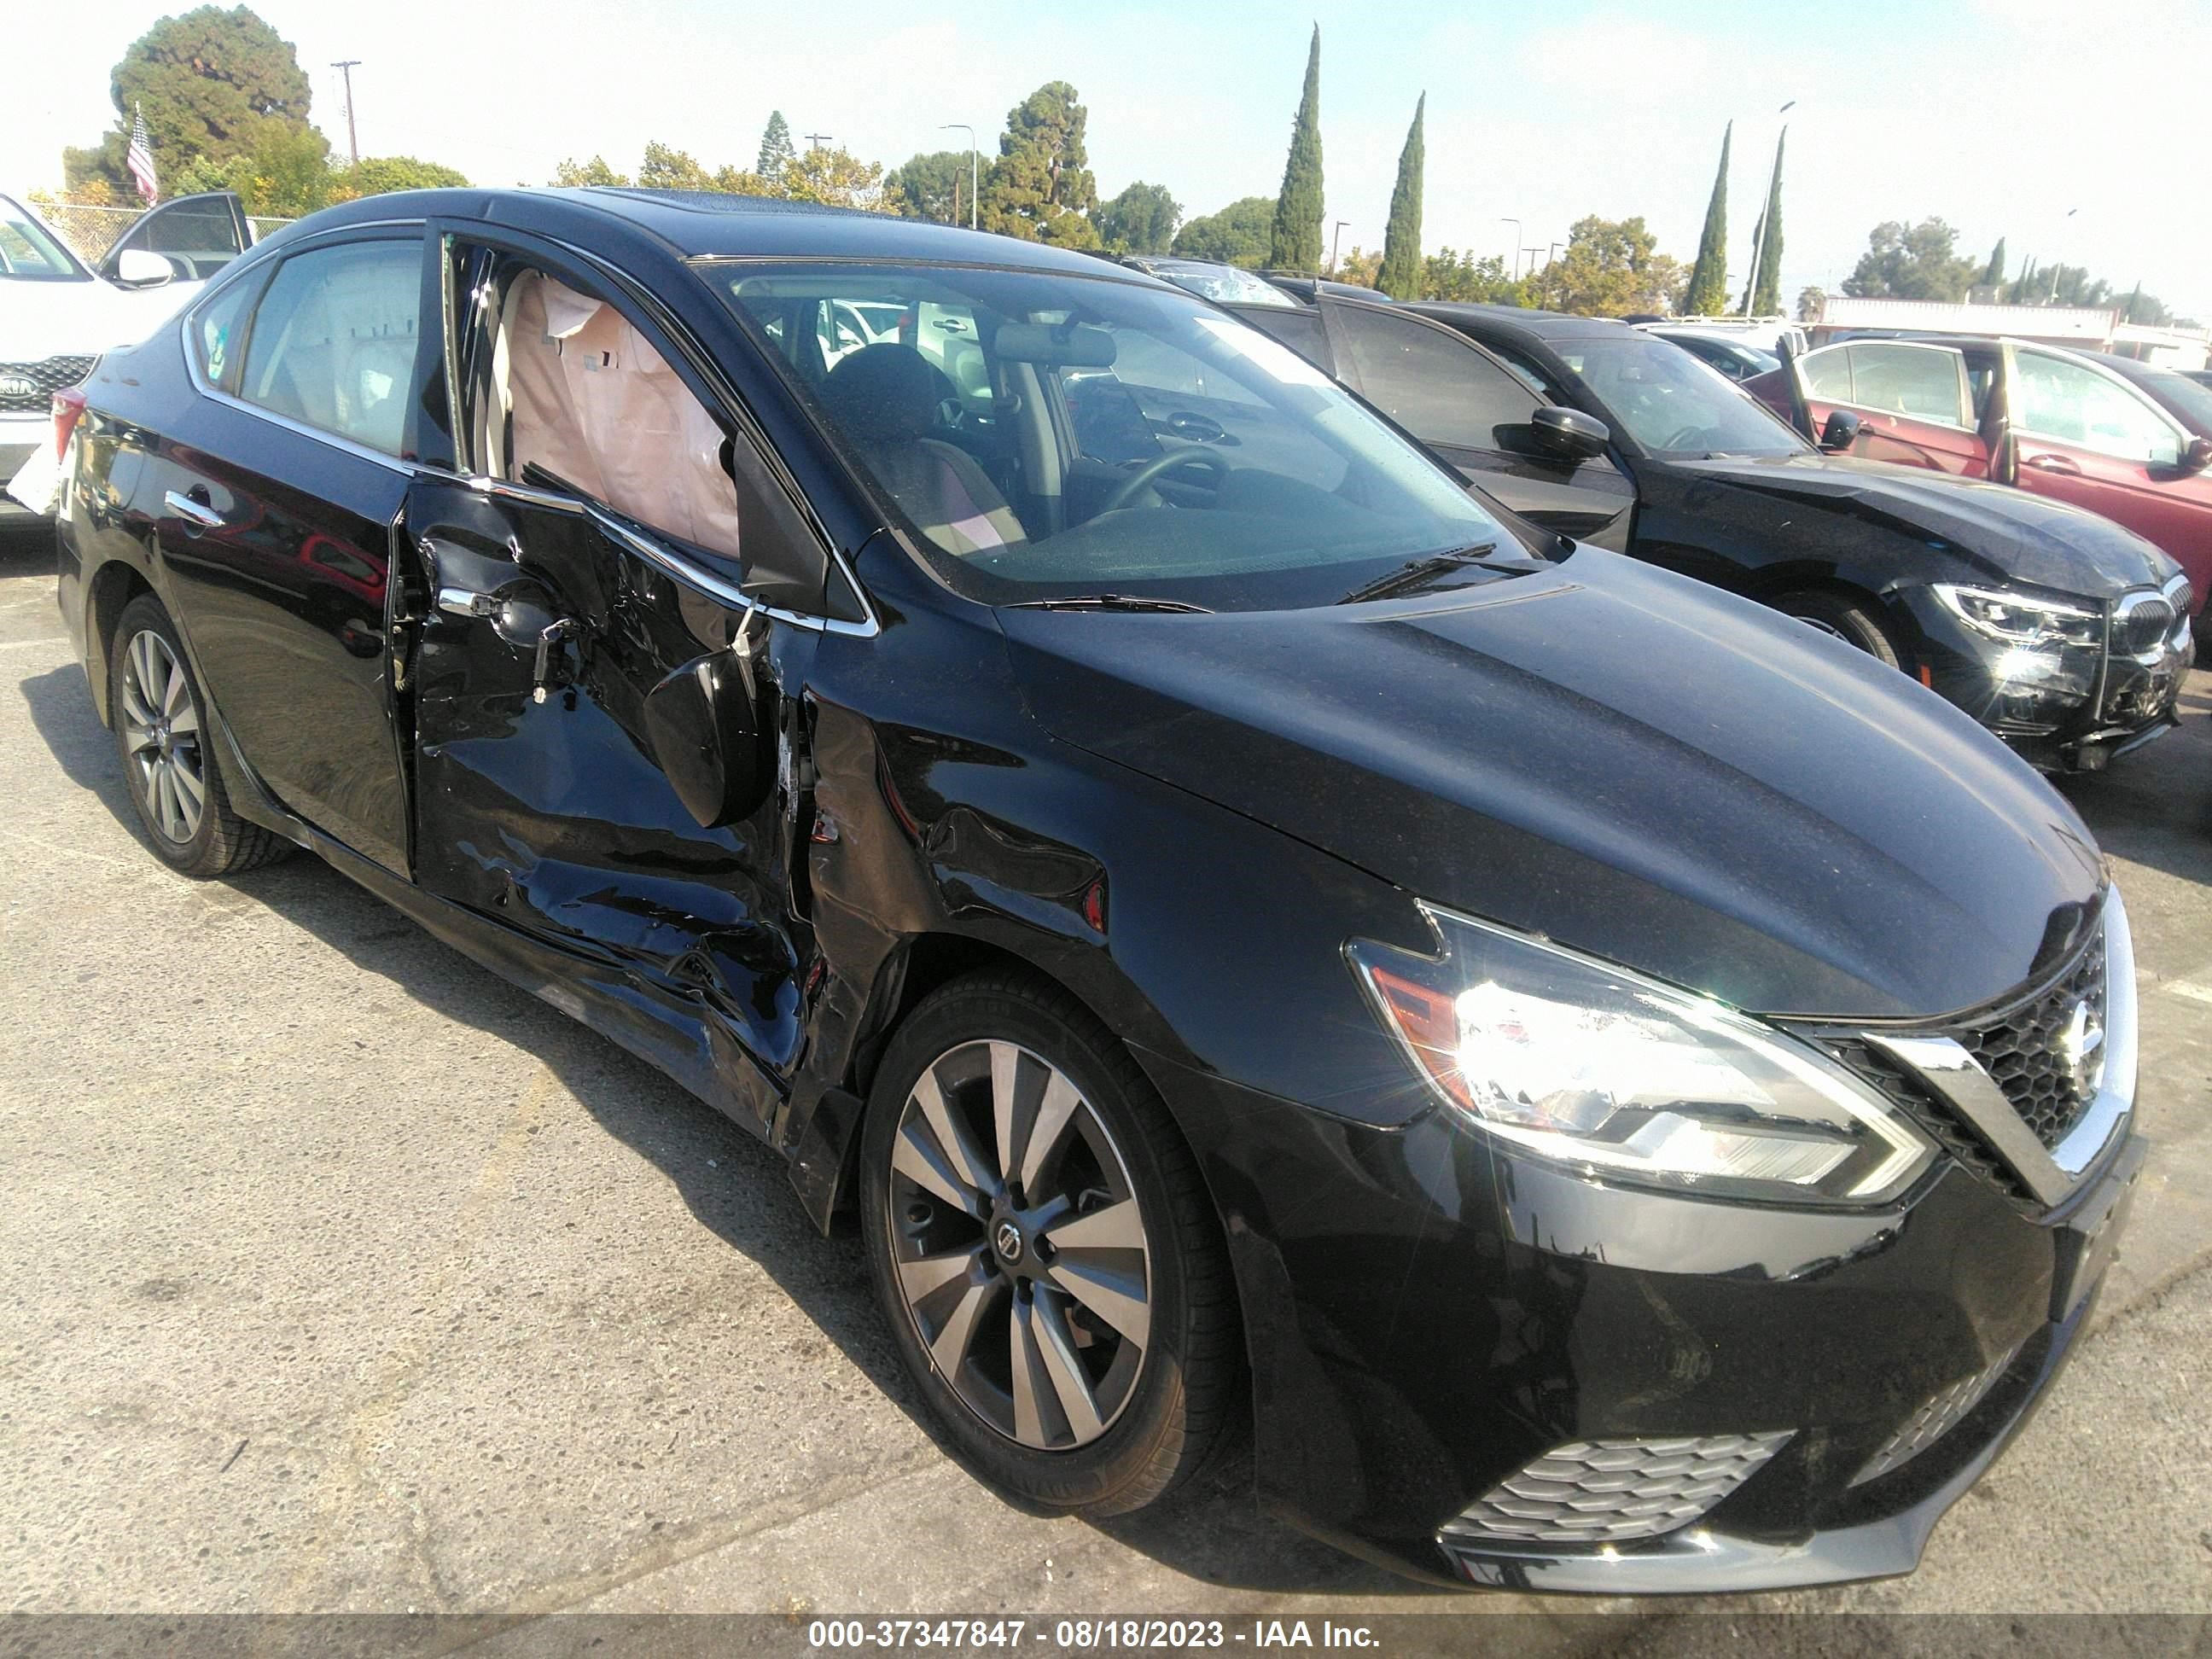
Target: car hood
{"x": 1620, "y": 759}
{"x": 2008, "y": 532}
{"x": 39, "y": 320}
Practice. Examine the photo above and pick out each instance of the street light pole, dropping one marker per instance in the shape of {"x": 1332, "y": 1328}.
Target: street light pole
{"x": 1758, "y": 238}
{"x": 1514, "y": 248}
{"x": 1336, "y": 241}
{"x": 346, "y": 66}
{"x": 974, "y": 170}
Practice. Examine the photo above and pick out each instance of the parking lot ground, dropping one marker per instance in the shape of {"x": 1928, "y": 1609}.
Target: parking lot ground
{"x": 337, "y": 1274}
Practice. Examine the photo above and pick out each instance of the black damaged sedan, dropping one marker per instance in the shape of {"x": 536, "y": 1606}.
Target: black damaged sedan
{"x": 2064, "y": 633}
{"x": 1628, "y": 1093}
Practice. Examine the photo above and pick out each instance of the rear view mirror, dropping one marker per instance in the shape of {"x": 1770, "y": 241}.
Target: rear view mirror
{"x": 136, "y": 267}
{"x": 1841, "y": 431}
{"x": 1062, "y": 346}
{"x": 1570, "y": 432}
{"x": 706, "y": 732}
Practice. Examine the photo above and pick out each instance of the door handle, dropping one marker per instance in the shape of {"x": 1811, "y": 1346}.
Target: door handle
{"x": 193, "y": 510}
{"x": 466, "y": 602}
{"x": 2058, "y": 464}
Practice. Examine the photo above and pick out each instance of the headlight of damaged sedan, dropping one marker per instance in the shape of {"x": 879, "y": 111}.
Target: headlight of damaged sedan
{"x": 2051, "y": 648}
{"x": 1625, "y": 1078}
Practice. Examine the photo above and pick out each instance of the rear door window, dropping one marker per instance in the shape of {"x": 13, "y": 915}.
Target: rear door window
{"x": 1438, "y": 389}
{"x": 2073, "y": 403}
{"x": 334, "y": 340}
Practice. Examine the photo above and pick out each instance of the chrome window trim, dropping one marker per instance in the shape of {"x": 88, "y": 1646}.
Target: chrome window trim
{"x": 671, "y": 564}
{"x": 1944, "y": 1065}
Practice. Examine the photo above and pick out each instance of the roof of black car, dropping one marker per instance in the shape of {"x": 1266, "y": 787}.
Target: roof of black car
{"x": 1536, "y": 324}
{"x": 707, "y": 223}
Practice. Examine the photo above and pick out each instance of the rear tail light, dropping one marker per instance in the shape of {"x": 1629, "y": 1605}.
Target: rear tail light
{"x": 68, "y": 410}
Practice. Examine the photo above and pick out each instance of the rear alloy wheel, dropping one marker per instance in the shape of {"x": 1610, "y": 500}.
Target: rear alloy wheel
{"x": 1041, "y": 1243}
{"x": 1847, "y": 619}
{"x": 162, "y": 733}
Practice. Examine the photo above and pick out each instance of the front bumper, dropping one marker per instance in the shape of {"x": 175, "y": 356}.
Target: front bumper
{"x": 2077, "y": 710}
{"x": 1429, "y": 1315}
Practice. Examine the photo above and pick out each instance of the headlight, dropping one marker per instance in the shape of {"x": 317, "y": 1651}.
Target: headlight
{"x": 1623, "y": 1077}
{"x": 2021, "y": 620}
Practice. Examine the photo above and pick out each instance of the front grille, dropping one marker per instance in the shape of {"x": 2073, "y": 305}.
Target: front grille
{"x": 1959, "y": 1140}
{"x": 43, "y": 379}
{"x": 1936, "y": 1417}
{"x": 1600, "y": 1492}
{"x": 2140, "y": 623}
{"x": 2030, "y": 1050}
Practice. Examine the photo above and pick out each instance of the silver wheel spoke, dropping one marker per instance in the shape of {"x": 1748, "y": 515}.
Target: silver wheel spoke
{"x": 150, "y": 677}
{"x": 957, "y": 1333}
{"x": 134, "y": 700}
{"x": 965, "y": 1162}
{"x": 1053, "y": 1114}
{"x": 1032, "y": 1384}
{"x": 166, "y": 809}
{"x": 925, "y": 1166}
{"x": 1114, "y": 1298}
{"x": 919, "y": 1279}
{"x": 172, "y": 695}
{"x": 185, "y": 722}
{"x": 191, "y": 791}
{"x": 1061, "y": 1364}
{"x": 1116, "y": 1227}
{"x": 1007, "y": 1113}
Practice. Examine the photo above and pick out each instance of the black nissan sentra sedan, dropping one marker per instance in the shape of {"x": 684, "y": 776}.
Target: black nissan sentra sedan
{"x": 1630, "y": 1093}
{"x": 2062, "y": 632}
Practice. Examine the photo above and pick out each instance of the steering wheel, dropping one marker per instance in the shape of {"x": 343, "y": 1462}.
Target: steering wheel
{"x": 1131, "y": 486}
{"x": 1686, "y": 437}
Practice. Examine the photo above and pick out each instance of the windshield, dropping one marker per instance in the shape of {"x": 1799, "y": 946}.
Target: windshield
{"x": 1671, "y": 404}
{"x": 1050, "y": 436}
{"x": 28, "y": 252}
{"x": 1227, "y": 285}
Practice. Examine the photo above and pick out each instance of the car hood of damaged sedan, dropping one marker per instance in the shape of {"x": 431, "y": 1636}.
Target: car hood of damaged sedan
{"x": 1618, "y": 758}
{"x": 2008, "y": 534}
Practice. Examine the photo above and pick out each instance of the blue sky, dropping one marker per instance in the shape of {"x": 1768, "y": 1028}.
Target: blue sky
{"x": 1998, "y": 115}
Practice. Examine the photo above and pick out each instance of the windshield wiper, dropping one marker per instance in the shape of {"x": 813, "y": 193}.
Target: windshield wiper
{"x": 1110, "y": 602}
{"x": 1421, "y": 572}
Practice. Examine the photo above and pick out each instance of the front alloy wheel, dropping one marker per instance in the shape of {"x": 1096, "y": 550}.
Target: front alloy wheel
{"x": 1045, "y": 1249}
{"x": 1020, "y": 1251}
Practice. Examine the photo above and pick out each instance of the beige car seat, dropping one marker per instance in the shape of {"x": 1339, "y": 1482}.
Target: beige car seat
{"x": 884, "y": 399}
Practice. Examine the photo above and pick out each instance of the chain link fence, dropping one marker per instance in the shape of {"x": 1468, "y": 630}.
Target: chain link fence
{"x": 92, "y": 231}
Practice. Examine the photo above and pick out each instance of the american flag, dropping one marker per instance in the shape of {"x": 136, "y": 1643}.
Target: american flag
{"x": 139, "y": 158}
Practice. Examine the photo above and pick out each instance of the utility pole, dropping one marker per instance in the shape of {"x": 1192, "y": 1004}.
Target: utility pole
{"x": 1335, "y": 240}
{"x": 974, "y": 170}
{"x": 1514, "y": 248}
{"x": 346, "y": 66}
{"x": 1758, "y": 239}
{"x": 816, "y": 140}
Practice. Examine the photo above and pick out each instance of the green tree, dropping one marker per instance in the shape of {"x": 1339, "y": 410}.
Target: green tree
{"x": 1993, "y": 273}
{"x": 775, "y": 149}
{"x": 285, "y": 174}
{"x": 833, "y": 177}
{"x": 1237, "y": 235}
{"x": 2017, "y": 294}
{"x": 1912, "y": 262}
{"x": 930, "y": 187}
{"x": 1465, "y": 279}
{"x": 1400, "y": 275}
{"x": 1610, "y": 268}
{"x": 667, "y": 168}
{"x": 1039, "y": 189}
{"x": 1294, "y": 238}
{"x": 1809, "y": 301}
{"x": 378, "y": 175}
{"x": 1707, "y": 294}
{"x": 1142, "y": 219}
{"x": 593, "y": 171}
{"x": 209, "y": 83}
{"x": 1766, "y": 281}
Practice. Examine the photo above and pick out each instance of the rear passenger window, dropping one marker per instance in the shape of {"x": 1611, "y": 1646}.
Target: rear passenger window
{"x": 219, "y": 330}
{"x": 1919, "y": 382}
{"x": 1440, "y": 391}
{"x": 334, "y": 338}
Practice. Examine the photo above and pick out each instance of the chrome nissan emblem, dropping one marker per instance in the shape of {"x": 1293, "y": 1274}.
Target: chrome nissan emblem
{"x": 1008, "y": 1238}
{"x": 2081, "y": 1048}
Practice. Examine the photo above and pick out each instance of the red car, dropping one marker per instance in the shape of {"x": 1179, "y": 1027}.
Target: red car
{"x": 2122, "y": 438}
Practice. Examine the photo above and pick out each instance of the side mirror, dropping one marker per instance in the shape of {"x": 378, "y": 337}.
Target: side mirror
{"x": 1841, "y": 431}
{"x": 705, "y": 729}
{"x": 137, "y": 267}
{"x": 2198, "y": 456}
{"x": 1570, "y": 432}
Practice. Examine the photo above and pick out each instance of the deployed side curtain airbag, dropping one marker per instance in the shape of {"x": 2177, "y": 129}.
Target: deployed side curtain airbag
{"x": 593, "y": 402}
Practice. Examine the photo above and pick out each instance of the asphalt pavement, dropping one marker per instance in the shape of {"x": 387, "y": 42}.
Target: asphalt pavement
{"x": 337, "y": 1274}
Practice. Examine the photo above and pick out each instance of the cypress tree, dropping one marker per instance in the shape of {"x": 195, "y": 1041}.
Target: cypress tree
{"x": 1294, "y": 244}
{"x": 776, "y": 152}
{"x": 1766, "y": 281}
{"x": 1707, "y": 294}
{"x": 1994, "y": 275}
{"x": 1400, "y": 275}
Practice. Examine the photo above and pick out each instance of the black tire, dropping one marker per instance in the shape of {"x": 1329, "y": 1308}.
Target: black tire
{"x": 1852, "y": 621}
{"x": 1186, "y": 1386}
{"x": 214, "y": 841}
